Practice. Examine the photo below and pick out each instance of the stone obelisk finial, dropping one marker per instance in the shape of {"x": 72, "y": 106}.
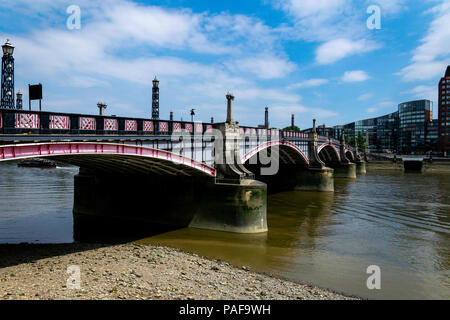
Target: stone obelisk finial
{"x": 230, "y": 99}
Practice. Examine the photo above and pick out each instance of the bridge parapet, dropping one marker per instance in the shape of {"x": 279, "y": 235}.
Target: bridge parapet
{"x": 19, "y": 122}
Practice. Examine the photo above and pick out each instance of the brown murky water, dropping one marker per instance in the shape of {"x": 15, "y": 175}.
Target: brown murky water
{"x": 399, "y": 222}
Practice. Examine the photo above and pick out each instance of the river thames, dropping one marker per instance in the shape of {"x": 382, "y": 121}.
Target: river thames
{"x": 399, "y": 222}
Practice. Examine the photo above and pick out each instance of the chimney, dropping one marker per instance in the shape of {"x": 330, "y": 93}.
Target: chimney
{"x": 266, "y": 118}
{"x": 293, "y": 122}
{"x": 101, "y": 108}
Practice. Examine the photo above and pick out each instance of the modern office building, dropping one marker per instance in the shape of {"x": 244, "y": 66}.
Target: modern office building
{"x": 414, "y": 117}
{"x": 386, "y": 134}
{"x": 432, "y": 137}
{"x": 410, "y": 130}
{"x": 444, "y": 113}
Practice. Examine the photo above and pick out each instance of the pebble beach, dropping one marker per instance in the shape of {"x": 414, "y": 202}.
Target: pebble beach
{"x": 137, "y": 272}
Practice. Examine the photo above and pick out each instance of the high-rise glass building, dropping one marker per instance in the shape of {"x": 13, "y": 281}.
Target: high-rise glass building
{"x": 414, "y": 117}
{"x": 444, "y": 113}
{"x": 410, "y": 130}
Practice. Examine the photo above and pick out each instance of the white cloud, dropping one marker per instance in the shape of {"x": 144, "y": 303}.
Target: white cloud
{"x": 119, "y": 56}
{"x": 317, "y": 8}
{"x": 380, "y": 106}
{"x": 385, "y": 104}
{"x": 320, "y": 20}
{"x": 425, "y": 92}
{"x": 265, "y": 67}
{"x": 365, "y": 97}
{"x": 388, "y": 6}
{"x": 271, "y": 96}
{"x": 282, "y": 114}
{"x": 335, "y": 50}
{"x": 431, "y": 58}
{"x": 309, "y": 83}
{"x": 355, "y": 76}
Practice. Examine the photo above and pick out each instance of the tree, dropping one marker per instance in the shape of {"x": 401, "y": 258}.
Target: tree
{"x": 352, "y": 141}
{"x": 296, "y": 129}
{"x": 361, "y": 142}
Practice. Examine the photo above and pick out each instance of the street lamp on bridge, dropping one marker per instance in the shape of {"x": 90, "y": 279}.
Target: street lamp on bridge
{"x": 7, "y": 94}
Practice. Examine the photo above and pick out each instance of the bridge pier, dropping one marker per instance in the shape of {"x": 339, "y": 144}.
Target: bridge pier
{"x": 345, "y": 170}
{"x": 237, "y": 208}
{"x": 315, "y": 179}
{"x": 361, "y": 167}
{"x": 172, "y": 200}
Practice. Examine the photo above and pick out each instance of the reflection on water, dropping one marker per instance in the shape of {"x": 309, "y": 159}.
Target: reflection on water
{"x": 400, "y": 222}
{"x": 36, "y": 204}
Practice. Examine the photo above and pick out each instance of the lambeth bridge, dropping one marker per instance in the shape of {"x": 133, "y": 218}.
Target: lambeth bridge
{"x": 203, "y": 175}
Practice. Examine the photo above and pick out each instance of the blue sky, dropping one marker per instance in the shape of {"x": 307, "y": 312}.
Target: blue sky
{"x": 313, "y": 58}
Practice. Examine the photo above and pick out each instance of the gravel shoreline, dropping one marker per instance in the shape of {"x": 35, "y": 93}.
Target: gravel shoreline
{"x": 137, "y": 272}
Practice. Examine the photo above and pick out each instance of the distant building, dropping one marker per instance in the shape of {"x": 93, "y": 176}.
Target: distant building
{"x": 386, "y": 133}
{"x": 410, "y": 130}
{"x": 432, "y": 137}
{"x": 444, "y": 113}
{"x": 414, "y": 119}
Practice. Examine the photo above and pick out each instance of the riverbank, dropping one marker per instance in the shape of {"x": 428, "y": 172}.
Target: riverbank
{"x": 137, "y": 272}
{"x": 388, "y": 165}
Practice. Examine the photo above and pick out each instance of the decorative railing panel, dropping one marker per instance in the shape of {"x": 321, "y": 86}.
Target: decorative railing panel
{"x": 130, "y": 125}
{"x": 110, "y": 124}
{"x": 59, "y": 122}
{"x": 27, "y": 121}
{"x": 87, "y": 123}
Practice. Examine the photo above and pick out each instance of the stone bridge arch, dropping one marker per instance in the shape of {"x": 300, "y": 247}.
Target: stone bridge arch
{"x": 288, "y": 153}
{"x": 289, "y": 164}
{"x": 329, "y": 154}
{"x": 110, "y": 158}
{"x": 350, "y": 155}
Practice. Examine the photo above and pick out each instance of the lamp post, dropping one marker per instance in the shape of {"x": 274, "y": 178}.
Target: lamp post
{"x": 7, "y": 94}
{"x": 192, "y": 115}
{"x": 155, "y": 99}
{"x": 19, "y": 101}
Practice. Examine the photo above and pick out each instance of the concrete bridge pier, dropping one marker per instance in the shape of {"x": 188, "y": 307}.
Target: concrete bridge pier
{"x": 345, "y": 170}
{"x": 238, "y": 208}
{"x": 315, "y": 179}
{"x": 361, "y": 167}
{"x": 360, "y": 163}
{"x": 179, "y": 201}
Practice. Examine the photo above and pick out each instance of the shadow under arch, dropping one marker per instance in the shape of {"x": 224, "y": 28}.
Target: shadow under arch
{"x": 329, "y": 155}
{"x": 350, "y": 155}
{"x": 110, "y": 158}
{"x": 287, "y": 159}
